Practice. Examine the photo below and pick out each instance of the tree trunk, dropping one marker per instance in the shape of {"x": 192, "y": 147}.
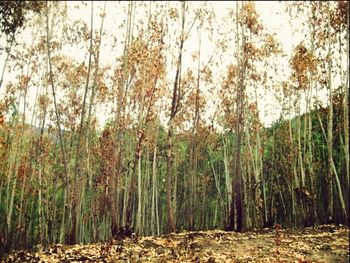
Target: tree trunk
{"x": 66, "y": 195}
{"x": 332, "y": 172}
{"x": 173, "y": 111}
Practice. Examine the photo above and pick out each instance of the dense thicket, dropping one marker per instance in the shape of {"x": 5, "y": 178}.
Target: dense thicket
{"x": 64, "y": 179}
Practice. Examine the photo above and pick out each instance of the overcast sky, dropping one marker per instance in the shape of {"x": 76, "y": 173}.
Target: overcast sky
{"x": 271, "y": 14}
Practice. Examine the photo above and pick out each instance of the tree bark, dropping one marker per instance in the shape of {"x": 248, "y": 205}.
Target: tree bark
{"x": 173, "y": 112}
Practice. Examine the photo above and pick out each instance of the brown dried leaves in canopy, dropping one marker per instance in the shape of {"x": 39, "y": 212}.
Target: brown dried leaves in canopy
{"x": 249, "y": 17}
{"x": 147, "y": 66}
{"x": 338, "y": 17}
{"x": 227, "y": 93}
{"x": 303, "y": 62}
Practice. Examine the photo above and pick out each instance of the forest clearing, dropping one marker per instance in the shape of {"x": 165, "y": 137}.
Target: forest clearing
{"x": 174, "y": 131}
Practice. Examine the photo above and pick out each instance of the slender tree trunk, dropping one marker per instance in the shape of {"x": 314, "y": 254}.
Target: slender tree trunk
{"x": 139, "y": 215}
{"x": 259, "y": 175}
{"x": 174, "y": 109}
{"x": 239, "y": 126}
{"x": 77, "y": 197}
{"x": 120, "y": 108}
{"x": 17, "y": 162}
{"x": 330, "y": 131}
{"x": 331, "y": 166}
{"x": 346, "y": 110}
{"x": 66, "y": 194}
{"x": 8, "y": 50}
{"x": 154, "y": 178}
{"x": 238, "y": 178}
{"x": 312, "y": 179}
{"x": 228, "y": 179}
{"x": 217, "y": 185}
{"x": 295, "y": 180}
{"x": 194, "y": 151}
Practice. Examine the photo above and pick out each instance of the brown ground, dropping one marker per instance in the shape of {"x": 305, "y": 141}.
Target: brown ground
{"x": 324, "y": 244}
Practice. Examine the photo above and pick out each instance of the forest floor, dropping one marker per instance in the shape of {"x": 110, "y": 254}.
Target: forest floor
{"x": 327, "y": 243}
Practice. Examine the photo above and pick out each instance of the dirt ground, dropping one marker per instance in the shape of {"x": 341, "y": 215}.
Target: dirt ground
{"x": 326, "y": 243}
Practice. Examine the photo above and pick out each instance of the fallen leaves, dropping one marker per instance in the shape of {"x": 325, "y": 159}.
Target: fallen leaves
{"x": 324, "y": 244}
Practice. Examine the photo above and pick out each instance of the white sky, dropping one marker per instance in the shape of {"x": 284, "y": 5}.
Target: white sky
{"x": 271, "y": 14}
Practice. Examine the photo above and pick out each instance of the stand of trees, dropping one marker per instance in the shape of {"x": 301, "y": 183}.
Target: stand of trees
{"x": 64, "y": 180}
